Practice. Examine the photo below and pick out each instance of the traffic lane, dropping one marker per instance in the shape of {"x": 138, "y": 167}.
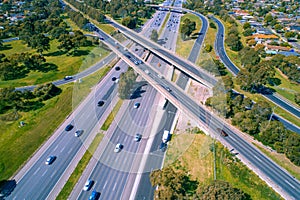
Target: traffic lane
{"x": 286, "y": 123}
{"x": 283, "y": 104}
{"x": 266, "y": 166}
{"x": 155, "y": 158}
{"x": 30, "y": 186}
{"x": 110, "y": 160}
{"x": 53, "y": 146}
{"x": 198, "y": 43}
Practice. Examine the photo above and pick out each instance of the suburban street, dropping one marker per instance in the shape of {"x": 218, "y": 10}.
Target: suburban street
{"x": 220, "y": 49}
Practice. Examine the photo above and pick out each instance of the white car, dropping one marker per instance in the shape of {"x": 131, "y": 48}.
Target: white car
{"x": 118, "y": 148}
{"x": 78, "y": 133}
{"x": 88, "y": 184}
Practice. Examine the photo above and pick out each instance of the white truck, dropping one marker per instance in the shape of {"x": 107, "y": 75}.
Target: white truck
{"x": 166, "y": 136}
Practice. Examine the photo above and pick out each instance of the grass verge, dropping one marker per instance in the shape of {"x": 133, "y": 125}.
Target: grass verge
{"x": 164, "y": 24}
{"x": 18, "y": 144}
{"x": 112, "y": 115}
{"x": 286, "y": 88}
{"x": 183, "y": 48}
{"x": 282, "y": 161}
{"x": 192, "y": 152}
{"x": 281, "y": 112}
{"x": 230, "y": 169}
{"x": 67, "y": 189}
{"x": 62, "y": 64}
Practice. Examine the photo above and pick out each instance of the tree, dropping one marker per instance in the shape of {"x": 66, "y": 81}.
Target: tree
{"x": 154, "y": 35}
{"x": 39, "y": 42}
{"x": 66, "y": 42}
{"x": 246, "y": 25}
{"x": 220, "y": 190}
{"x": 249, "y": 56}
{"x": 268, "y": 18}
{"x": 187, "y": 28}
{"x": 289, "y": 34}
{"x": 130, "y": 22}
{"x": 208, "y": 48}
{"x": 278, "y": 27}
{"x": 172, "y": 184}
{"x": 126, "y": 83}
{"x": 252, "y": 78}
{"x": 46, "y": 91}
{"x": 212, "y": 25}
{"x": 233, "y": 41}
{"x": 297, "y": 98}
{"x": 248, "y": 32}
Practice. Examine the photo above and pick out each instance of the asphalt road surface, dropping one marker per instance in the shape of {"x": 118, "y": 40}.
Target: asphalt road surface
{"x": 219, "y": 46}
{"x": 260, "y": 162}
{"x": 40, "y": 178}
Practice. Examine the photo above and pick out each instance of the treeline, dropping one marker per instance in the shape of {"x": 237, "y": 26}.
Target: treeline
{"x": 19, "y": 65}
{"x": 12, "y": 101}
{"x": 130, "y": 11}
{"x": 254, "y": 119}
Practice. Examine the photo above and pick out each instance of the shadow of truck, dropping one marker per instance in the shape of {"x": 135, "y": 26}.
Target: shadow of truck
{"x": 6, "y": 187}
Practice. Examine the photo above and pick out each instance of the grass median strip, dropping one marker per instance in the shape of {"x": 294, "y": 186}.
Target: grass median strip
{"x": 164, "y": 24}
{"x": 67, "y": 189}
{"x": 112, "y": 115}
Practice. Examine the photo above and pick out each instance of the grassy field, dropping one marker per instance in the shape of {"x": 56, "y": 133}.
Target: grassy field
{"x": 40, "y": 124}
{"x": 194, "y": 154}
{"x": 183, "y": 48}
{"x": 238, "y": 175}
{"x": 282, "y": 161}
{"x": 112, "y": 115}
{"x": 192, "y": 151}
{"x": 18, "y": 144}
{"x": 68, "y": 187}
{"x": 63, "y": 64}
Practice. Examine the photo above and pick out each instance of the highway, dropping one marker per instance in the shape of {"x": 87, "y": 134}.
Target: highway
{"x": 194, "y": 72}
{"x": 39, "y": 179}
{"x": 260, "y": 163}
{"x": 119, "y": 167}
{"x": 219, "y": 46}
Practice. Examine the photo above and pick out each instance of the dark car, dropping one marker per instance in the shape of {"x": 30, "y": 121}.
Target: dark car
{"x": 113, "y": 78}
{"x": 69, "y": 127}
{"x": 137, "y": 137}
{"x": 136, "y": 105}
{"x": 222, "y": 132}
{"x": 163, "y": 146}
{"x": 95, "y": 195}
{"x": 100, "y": 103}
{"x": 68, "y": 78}
{"x": 117, "y": 68}
{"x": 50, "y": 160}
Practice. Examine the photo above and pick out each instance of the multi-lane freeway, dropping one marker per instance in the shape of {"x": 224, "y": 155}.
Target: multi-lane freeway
{"x": 39, "y": 178}
{"x": 251, "y": 155}
{"x": 66, "y": 145}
